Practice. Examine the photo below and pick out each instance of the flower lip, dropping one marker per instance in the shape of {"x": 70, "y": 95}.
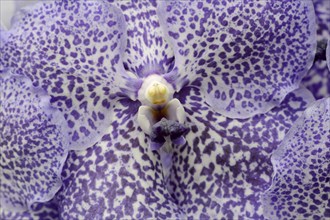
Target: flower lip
{"x": 163, "y": 124}
{"x": 167, "y": 128}
{"x": 160, "y": 115}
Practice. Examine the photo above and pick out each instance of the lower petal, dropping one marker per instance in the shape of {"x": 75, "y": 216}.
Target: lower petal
{"x": 32, "y": 144}
{"x": 225, "y": 165}
{"x": 300, "y": 187}
{"x": 119, "y": 177}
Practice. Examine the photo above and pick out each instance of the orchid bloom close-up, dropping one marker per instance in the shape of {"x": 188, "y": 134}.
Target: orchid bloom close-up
{"x": 147, "y": 109}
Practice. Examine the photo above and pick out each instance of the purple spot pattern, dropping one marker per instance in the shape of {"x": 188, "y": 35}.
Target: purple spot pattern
{"x": 318, "y": 77}
{"x": 32, "y": 144}
{"x": 73, "y": 50}
{"x": 301, "y": 184}
{"x": 147, "y": 52}
{"x": 248, "y": 54}
{"x": 119, "y": 175}
{"x": 44, "y": 211}
{"x": 225, "y": 166}
{"x": 118, "y": 178}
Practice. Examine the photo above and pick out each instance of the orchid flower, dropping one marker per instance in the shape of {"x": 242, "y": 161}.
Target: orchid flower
{"x": 170, "y": 109}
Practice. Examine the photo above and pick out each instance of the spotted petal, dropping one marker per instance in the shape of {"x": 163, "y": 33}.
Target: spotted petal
{"x": 323, "y": 18}
{"x": 247, "y": 55}
{"x": 47, "y": 210}
{"x": 73, "y": 50}
{"x": 118, "y": 178}
{"x": 225, "y": 165}
{"x": 318, "y": 78}
{"x": 32, "y": 144}
{"x": 147, "y": 52}
{"x": 301, "y": 184}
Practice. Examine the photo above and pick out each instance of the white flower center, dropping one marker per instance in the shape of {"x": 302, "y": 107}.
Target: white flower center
{"x": 156, "y": 96}
{"x": 155, "y": 92}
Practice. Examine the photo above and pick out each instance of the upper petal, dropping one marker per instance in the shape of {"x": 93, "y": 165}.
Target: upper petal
{"x": 225, "y": 165}
{"x": 73, "y": 50}
{"x": 247, "y": 55}
{"x": 118, "y": 178}
{"x": 300, "y": 187}
{"x": 32, "y": 143}
{"x": 147, "y": 51}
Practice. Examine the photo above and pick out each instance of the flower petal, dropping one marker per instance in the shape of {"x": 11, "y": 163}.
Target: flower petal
{"x": 323, "y": 18}
{"x": 72, "y": 50}
{"x": 32, "y": 145}
{"x": 147, "y": 52}
{"x": 47, "y": 210}
{"x": 318, "y": 78}
{"x": 118, "y": 178}
{"x": 300, "y": 187}
{"x": 247, "y": 55}
{"x": 225, "y": 165}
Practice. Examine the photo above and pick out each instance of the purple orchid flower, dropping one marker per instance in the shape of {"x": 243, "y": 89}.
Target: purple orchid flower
{"x": 221, "y": 73}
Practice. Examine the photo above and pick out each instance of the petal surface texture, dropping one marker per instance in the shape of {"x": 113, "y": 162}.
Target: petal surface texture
{"x": 47, "y": 210}
{"x": 301, "y": 184}
{"x": 225, "y": 165}
{"x": 32, "y": 145}
{"x": 147, "y": 52}
{"x": 73, "y": 50}
{"x": 118, "y": 178}
{"x": 248, "y": 55}
{"x": 318, "y": 78}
